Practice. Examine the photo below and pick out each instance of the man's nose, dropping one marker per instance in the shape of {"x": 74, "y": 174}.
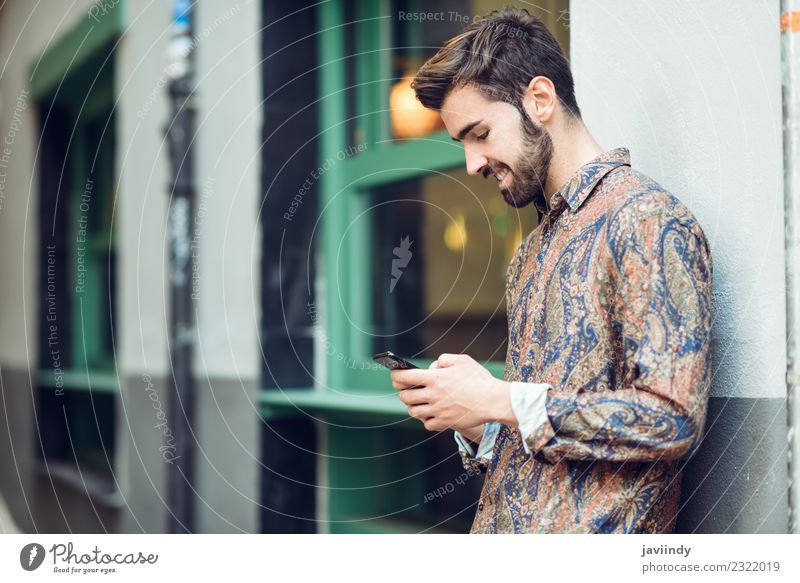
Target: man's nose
{"x": 475, "y": 161}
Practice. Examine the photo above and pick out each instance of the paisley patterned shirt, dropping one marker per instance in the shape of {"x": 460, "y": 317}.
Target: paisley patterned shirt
{"x": 609, "y": 304}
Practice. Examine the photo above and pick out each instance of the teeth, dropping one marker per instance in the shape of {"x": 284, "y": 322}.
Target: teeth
{"x": 501, "y": 175}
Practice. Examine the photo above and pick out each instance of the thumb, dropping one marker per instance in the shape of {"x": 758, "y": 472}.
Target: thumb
{"x": 434, "y": 364}
{"x": 446, "y": 360}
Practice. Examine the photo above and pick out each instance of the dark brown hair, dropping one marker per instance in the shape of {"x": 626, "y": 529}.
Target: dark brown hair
{"x": 498, "y": 54}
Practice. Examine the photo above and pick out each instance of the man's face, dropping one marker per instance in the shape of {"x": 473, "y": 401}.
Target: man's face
{"x": 502, "y": 142}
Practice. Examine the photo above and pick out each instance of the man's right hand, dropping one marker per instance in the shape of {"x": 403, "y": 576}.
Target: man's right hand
{"x": 474, "y": 433}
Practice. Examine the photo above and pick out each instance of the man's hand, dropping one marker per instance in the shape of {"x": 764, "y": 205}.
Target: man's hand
{"x": 456, "y": 392}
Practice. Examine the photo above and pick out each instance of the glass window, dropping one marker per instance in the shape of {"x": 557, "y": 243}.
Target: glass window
{"x": 78, "y": 430}
{"x": 95, "y": 250}
{"x": 415, "y": 254}
{"x": 77, "y": 381}
{"x": 442, "y": 247}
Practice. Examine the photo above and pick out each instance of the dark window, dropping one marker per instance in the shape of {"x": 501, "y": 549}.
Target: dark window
{"x": 77, "y": 385}
{"x": 288, "y": 214}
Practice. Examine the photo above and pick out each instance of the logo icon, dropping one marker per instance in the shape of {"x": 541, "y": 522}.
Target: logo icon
{"x": 403, "y": 256}
{"x": 31, "y": 556}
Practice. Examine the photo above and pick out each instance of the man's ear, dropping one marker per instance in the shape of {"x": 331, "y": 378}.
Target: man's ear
{"x": 540, "y": 99}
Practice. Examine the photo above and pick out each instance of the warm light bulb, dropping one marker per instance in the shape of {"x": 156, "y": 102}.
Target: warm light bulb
{"x": 409, "y": 118}
{"x": 455, "y": 234}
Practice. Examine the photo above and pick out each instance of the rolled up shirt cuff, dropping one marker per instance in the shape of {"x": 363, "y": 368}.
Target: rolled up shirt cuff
{"x": 485, "y": 446}
{"x": 529, "y": 404}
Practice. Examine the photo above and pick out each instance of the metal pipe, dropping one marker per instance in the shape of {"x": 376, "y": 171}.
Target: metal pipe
{"x": 790, "y": 65}
{"x": 180, "y": 135}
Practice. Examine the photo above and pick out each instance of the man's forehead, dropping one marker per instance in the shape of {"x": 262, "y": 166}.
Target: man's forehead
{"x": 466, "y": 107}
{"x": 463, "y": 100}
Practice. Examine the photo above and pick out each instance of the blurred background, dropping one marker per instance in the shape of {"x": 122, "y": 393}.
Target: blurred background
{"x": 329, "y": 217}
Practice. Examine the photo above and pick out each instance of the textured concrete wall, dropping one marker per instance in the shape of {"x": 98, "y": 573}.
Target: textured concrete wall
{"x": 228, "y": 356}
{"x": 694, "y": 90}
{"x": 142, "y": 348}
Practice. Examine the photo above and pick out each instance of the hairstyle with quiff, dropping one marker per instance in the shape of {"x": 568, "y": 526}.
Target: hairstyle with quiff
{"x": 498, "y": 54}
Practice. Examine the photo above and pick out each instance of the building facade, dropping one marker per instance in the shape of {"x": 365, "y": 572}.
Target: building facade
{"x": 334, "y": 219}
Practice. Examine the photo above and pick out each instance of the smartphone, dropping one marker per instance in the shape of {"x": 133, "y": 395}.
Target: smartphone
{"x": 391, "y": 361}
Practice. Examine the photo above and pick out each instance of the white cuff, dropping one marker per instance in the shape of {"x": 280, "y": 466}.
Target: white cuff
{"x": 529, "y": 404}
{"x": 486, "y": 445}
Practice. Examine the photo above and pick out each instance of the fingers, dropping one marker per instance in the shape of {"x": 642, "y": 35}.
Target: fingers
{"x": 434, "y": 364}
{"x": 415, "y": 396}
{"x": 446, "y": 360}
{"x": 403, "y": 386}
{"x": 433, "y": 424}
{"x": 404, "y": 379}
{"x": 421, "y": 412}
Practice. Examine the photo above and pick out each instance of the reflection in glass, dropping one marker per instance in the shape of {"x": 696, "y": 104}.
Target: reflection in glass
{"x": 443, "y": 244}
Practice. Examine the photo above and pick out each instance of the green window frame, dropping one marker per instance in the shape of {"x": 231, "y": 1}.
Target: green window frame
{"x": 75, "y": 77}
{"x": 61, "y": 73}
{"x": 352, "y": 379}
{"x": 371, "y": 451}
{"x": 363, "y": 417}
{"x": 347, "y": 186}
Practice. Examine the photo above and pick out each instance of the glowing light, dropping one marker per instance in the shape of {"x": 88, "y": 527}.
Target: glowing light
{"x": 409, "y": 118}
{"x": 455, "y": 235}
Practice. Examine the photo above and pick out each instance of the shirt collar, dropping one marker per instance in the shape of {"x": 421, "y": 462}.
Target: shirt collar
{"x": 578, "y": 188}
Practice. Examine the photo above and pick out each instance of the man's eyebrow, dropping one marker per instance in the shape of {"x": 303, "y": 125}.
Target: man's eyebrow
{"x": 465, "y": 130}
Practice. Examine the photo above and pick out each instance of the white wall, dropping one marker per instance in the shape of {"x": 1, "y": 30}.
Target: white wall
{"x": 694, "y": 90}
{"x": 141, "y": 206}
{"x": 228, "y": 165}
{"x": 226, "y": 151}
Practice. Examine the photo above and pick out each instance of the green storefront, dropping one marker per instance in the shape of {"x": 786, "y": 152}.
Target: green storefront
{"x": 411, "y": 257}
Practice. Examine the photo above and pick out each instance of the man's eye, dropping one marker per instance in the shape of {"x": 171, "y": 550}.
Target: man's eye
{"x": 483, "y": 136}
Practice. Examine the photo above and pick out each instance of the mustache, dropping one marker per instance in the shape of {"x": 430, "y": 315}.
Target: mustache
{"x": 491, "y": 169}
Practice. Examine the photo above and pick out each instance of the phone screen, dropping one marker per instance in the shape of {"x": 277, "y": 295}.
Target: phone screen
{"x": 391, "y": 361}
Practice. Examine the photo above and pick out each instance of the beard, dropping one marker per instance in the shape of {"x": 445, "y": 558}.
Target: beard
{"x": 529, "y": 171}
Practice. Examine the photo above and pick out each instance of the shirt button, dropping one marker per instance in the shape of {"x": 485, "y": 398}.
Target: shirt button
{"x": 480, "y": 506}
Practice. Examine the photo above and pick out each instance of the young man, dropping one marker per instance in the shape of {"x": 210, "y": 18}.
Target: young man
{"x": 609, "y": 305}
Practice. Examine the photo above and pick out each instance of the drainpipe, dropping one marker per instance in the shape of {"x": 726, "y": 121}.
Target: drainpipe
{"x": 180, "y": 134}
{"x": 790, "y": 65}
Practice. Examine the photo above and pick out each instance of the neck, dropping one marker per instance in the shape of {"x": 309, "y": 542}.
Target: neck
{"x": 572, "y": 148}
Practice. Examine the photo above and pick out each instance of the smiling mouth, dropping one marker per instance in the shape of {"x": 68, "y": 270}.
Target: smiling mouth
{"x": 501, "y": 175}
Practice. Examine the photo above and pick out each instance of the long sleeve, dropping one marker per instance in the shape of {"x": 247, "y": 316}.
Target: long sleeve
{"x": 528, "y": 402}
{"x": 660, "y": 283}
{"x": 477, "y": 462}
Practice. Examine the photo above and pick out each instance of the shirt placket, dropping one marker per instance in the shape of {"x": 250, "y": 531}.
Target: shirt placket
{"x": 549, "y": 232}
